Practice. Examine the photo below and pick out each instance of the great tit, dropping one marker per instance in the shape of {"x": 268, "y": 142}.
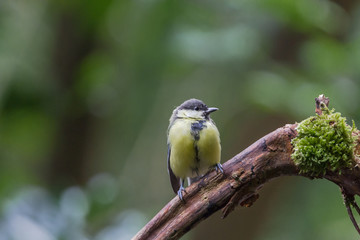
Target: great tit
{"x": 193, "y": 144}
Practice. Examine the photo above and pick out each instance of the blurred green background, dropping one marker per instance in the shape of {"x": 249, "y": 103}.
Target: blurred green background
{"x": 87, "y": 88}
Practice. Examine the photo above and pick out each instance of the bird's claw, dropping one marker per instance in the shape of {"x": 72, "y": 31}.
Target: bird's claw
{"x": 180, "y": 194}
{"x": 219, "y": 167}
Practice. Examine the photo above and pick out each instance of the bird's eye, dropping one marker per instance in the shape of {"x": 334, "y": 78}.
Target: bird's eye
{"x": 196, "y": 108}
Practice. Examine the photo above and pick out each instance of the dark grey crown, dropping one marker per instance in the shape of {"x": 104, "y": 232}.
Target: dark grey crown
{"x": 193, "y": 104}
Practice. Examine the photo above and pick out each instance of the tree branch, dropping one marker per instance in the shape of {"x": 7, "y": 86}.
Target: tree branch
{"x": 244, "y": 175}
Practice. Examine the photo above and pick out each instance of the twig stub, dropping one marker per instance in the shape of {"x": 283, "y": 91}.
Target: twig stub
{"x": 320, "y": 102}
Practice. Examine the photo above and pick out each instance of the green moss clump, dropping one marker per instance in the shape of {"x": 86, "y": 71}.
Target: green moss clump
{"x": 324, "y": 143}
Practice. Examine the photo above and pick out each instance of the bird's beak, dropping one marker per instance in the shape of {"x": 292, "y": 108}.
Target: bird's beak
{"x": 210, "y": 110}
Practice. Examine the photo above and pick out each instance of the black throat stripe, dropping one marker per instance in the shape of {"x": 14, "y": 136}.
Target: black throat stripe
{"x": 196, "y": 127}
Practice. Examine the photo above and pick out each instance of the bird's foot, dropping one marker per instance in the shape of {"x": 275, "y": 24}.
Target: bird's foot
{"x": 180, "y": 194}
{"x": 219, "y": 167}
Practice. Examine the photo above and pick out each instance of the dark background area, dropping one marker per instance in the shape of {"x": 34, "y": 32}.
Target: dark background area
{"x": 87, "y": 88}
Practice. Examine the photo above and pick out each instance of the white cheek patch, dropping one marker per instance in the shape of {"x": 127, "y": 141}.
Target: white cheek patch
{"x": 190, "y": 114}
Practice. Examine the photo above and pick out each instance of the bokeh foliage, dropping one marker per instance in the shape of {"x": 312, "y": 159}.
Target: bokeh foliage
{"x": 87, "y": 88}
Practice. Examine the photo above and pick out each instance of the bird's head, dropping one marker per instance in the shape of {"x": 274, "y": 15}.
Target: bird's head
{"x": 194, "y": 108}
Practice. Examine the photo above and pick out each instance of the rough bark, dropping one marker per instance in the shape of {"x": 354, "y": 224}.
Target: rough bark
{"x": 244, "y": 175}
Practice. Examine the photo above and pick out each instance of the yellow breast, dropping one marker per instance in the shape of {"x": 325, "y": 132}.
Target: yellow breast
{"x": 209, "y": 147}
{"x": 189, "y": 156}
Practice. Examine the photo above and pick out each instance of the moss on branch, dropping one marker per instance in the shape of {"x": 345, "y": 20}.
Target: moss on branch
{"x": 324, "y": 143}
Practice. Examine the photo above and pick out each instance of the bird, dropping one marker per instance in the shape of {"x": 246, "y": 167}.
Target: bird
{"x": 193, "y": 144}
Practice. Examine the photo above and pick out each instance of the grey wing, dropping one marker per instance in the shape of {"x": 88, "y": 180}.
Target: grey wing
{"x": 175, "y": 183}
